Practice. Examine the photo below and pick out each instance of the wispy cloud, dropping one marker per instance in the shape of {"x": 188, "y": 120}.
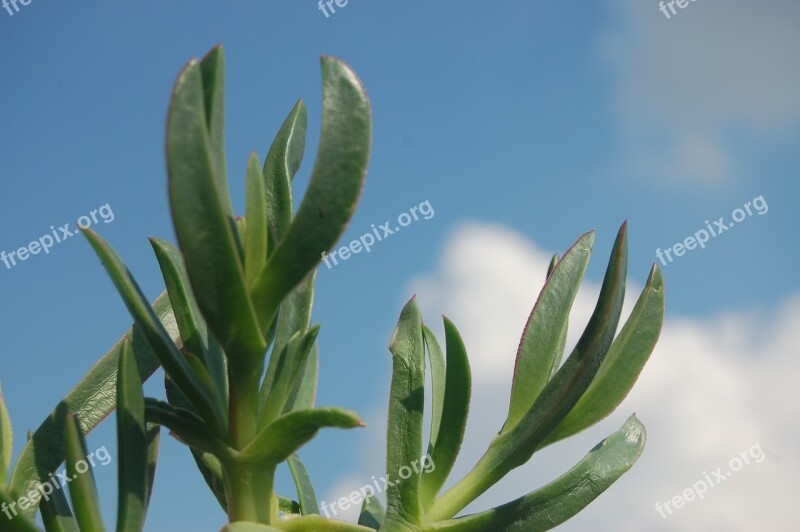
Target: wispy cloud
{"x": 688, "y": 90}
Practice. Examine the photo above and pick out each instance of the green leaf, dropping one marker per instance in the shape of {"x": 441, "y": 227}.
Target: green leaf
{"x": 621, "y": 367}
{"x": 205, "y": 234}
{"x": 280, "y": 439}
{"x": 305, "y": 390}
{"x": 132, "y": 441}
{"x": 288, "y": 367}
{"x": 82, "y": 489}
{"x": 330, "y": 200}
{"x": 280, "y": 166}
{"x": 560, "y": 500}
{"x": 171, "y": 358}
{"x": 406, "y": 405}
{"x": 455, "y": 409}
{"x": 438, "y": 383}
{"x": 372, "y": 513}
{"x": 552, "y": 265}
{"x": 194, "y": 332}
{"x": 212, "y": 69}
{"x": 539, "y": 351}
{"x": 152, "y": 440}
{"x": 91, "y": 400}
{"x": 184, "y": 425}
{"x": 514, "y": 447}
{"x": 6, "y": 441}
{"x": 305, "y": 489}
{"x": 56, "y": 514}
{"x": 18, "y": 522}
{"x": 256, "y": 230}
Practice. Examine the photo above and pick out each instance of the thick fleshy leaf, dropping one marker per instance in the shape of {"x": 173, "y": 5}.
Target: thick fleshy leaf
{"x": 406, "y": 405}
{"x": 372, "y": 513}
{"x": 184, "y": 425}
{"x": 539, "y": 350}
{"x": 621, "y": 367}
{"x": 438, "y": 370}
{"x": 18, "y": 522}
{"x": 280, "y": 166}
{"x": 91, "y": 400}
{"x": 82, "y": 489}
{"x": 455, "y": 409}
{"x": 288, "y": 369}
{"x": 515, "y": 447}
{"x": 6, "y": 441}
{"x": 205, "y": 234}
{"x": 305, "y": 489}
{"x": 212, "y": 70}
{"x": 132, "y": 444}
{"x": 191, "y": 324}
{"x": 305, "y": 390}
{"x": 256, "y": 230}
{"x": 153, "y": 441}
{"x": 56, "y": 513}
{"x": 560, "y": 500}
{"x": 280, "y": 439}
{"x": 175, "y": 364}
{"x": 332, "y": 194}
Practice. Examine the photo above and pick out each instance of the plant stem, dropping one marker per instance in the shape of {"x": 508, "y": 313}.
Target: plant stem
{"x": 483, "y": 476}
{"x": 248, "y": 485}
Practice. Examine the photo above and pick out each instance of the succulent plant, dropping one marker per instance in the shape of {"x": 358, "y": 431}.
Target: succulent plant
{"x": 233, "y": 333}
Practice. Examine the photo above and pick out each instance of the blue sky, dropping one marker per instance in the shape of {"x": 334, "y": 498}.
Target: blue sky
{"x": 523, "y": 126}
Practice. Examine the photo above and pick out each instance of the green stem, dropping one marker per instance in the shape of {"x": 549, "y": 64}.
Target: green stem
{"x": 248, "y": 486}
{"x": 483, "y": 476}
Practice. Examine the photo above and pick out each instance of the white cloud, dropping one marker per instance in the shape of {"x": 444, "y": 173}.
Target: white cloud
{"x": 714, "y": 387}
{"x": 685, "y": 86}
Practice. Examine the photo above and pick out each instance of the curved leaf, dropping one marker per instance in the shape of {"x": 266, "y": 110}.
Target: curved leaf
{"x": 205, "y": 233}
{"x": 281, "y": 164}
{"x": 256, "y": 230}
{"x": 621, "y": 367}
{"x": 406, "y": 405}
{"x": 280, "y": 439}
{"x": 558, "y": 501}
{"x": 305, "y": 490}
{"x": 539, "y": 350}
{"x": 455, "y": 410}
{"x": 330, "y": 200}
